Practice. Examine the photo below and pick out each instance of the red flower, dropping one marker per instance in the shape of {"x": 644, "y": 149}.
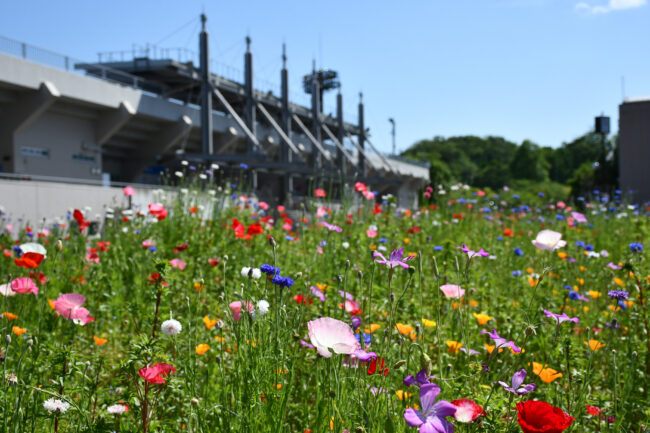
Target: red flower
{"x": 541, "y": 417}
{"x": 413, "y": 230}
{"x": 103, "y": 245}
{"x": 372, "y": 368}
{"x": 467, "y": 410}
{"x": 593, "y": 410}
{"x": 255, "y": 229}
{"x": 320, "y": 193}
{"x": 213, "y": 261}
{"x": 29, "y": 260}
{"x": 158, "y": 210}
{"x": 303, "y": 300}
{"x": 508, "y": 232}
{"x": 238, "y": 227}
{"x": 156, "y": 373}
{"x": 81, "y": 221}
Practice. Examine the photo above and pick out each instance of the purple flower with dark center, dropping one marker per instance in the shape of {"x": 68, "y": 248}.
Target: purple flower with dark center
{"x": 620, "y": 295}
{"x": 396, "y": 259}
{"x": 559, "y": 318}
{"x": 317, "y": 293}
{"x": 472, "y": 253}
{"x": 501, "y": 342}
{"x": 420, "y": 379}
{"x": 331, "y": 227}
{"x": 432, "y": 418}
{"x": 518, "y": 387}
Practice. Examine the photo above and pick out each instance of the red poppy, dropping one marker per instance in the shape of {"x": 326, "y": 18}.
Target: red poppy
{"x": 158, "y": 210}
{"x": 239, "y": 228}
{"x": 372, "y": 368}
{"x": 303, "y": 300}
{"x": 255, "y": 229}
{"x": 29, "y": 260}
{"x": 156, "y": 373}
{"x": 103, "y": 245}
{"x": 213, "y": 261}
{"x": 320, "y": 193}
{"x": 541, "y": 417}
{"x": 593, "y": 410}
{"x": 194, "y": 209}
{"x": 508, "y": 232}
{"x": 81, "y": 221}
{"x": 467, "y": 410}
{"x": 413, "y": 230}
{"x": 179, "y": 248}
{"x": 377, "y": 209}
{"x": 40, "y": 276}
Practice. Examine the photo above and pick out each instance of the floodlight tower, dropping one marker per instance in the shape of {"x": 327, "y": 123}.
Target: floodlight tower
{"x": 206, "y": 91}
{"x": 392, "y": 122}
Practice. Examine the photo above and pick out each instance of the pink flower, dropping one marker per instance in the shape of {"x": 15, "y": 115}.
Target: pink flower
{"x": 560, "y": 205}
{"x": 320, "y": 193}
{"x": 156, "y": 373}
{"x": 548, "y": 240}
{"x": 158, "y": 210}
{"x": 92, "y": 257}
{"x": 24, "y": 286}
{"x": 281, "y": 208}
{"x": 321, "y": 212}
{"x": 236, "y": 309}
{"x": 371, "y": 233}
{"x": 579, "y": 217}
{"x": 326, "y": 333}
{"x": 263, "y": 205}
{"x": 69, "y": 305}
{"x": 177, "y": 264}
{"x": 286, "y": 227}
{"x": 466, "y": 410}
{"x": 452, "y": 291}
{"x": 128, "y": 191}
{"x": 369, "y": 195}
{"x": 147, "y": 243}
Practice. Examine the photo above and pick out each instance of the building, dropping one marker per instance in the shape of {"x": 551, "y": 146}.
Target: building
{"x": 128, "y": 120}
{"x": 634, "y": 147}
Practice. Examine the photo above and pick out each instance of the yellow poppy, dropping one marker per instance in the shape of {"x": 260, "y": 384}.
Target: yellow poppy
{"x": 99, "y": 341}
{"x": 198, "y": 286}
{"x": 454, "y": 346}
{"x": 9, "y": 316}
{"x": 219, "y": 339}
{"x": 482, "y": 318}
{"x": 619, "y": 282}
{"x": 547, "y": 375}
{"x": 562, "y": 255}
{"x": 202, "y": 348}
{"x": 402, "y": 395}
{"x": 404, "y": 329}
{"x": 594, "y": 294}
{"x": 209, "y": 323}
{"x": 428, "y": 323}
{"x": 51, "y": 303}
{"x": 372, "y": 328}
{"x": 594, "y": 344}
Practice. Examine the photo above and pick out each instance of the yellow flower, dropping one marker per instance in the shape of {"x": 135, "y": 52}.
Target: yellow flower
{"x": 209, "y": 323}
{"x": 407, "y": 241}
{"x": 490, "y": 348}
{"x": 585, "y": 309}
{"x": 322, "y": 287}
{"x": 594, "y": 344}
{"x": 402, "y": 395}
{"x": 473, "y": 303}
{"x": 594, "y": 294}
{"x": 428, "y": 323}
{"x": 547, "y": 375}
{"x": 278, "y": 385}
{"x": 530, "y": 270}
{"x": 580, "y": 281}
{"x": 51, "y": 303}
{"x": 562, "y": 255}
{"x": 219, "y": 339}
{"x": 482, "y": 318}
{"x": 582, "y": 268}
{"x": 373, "y": 327}
{"x": 619, "y": 282}
{"x": 404, "y": 329}
{"x": 202, "y": 348}
{"x": 18, "y": 330}
{"x": 454, "y": 346}
{"x": 198, "y": 286}
{"x": 373, "y": 247}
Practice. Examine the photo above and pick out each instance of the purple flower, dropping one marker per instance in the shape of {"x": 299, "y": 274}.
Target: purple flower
{"x": 471, "y": 351}
{"x": 501, "y": 342}
{"x": 394, "y": 260}
{"x": 613, "y": 266}
{"x": 363, "y": 356}
{"x": 356, "y": 322}
{"x": 559, "y": 318}
{"x": 305, "y": 344}
{"x": 346, "y": 295}
{"x": 518, "y": 386}
{"x": 432, "y": 418}
{"x": 317, "y": 293}
{"x": 420, "y": 379}
{"x": 331, "y": 227}
{"x": 618, "y": 294}
{"x": 472, "y": 253}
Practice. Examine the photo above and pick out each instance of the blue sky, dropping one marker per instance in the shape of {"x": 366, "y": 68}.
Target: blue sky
{"x": 522, "y": 69}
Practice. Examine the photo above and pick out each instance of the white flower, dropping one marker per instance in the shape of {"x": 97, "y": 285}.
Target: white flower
{"x": 6, "y": 290}
{"x": 345, "y": 245}
{"x": 171, "y": 327}
{"x": 56, "y": 405}
{"x": 179, "y": 174}
{"x": 185, "y": 163}
{"x": 262, "y": 307}
{"x": 604, "y": 253}
{"x": 117, "y": 409}
{"x": 215, "y": 166}
{"x": 382, "y": 248}
{"x": 548, "y": 240}
{"x": 11, "y": 378}
{"x": 203, "y": 176}
{"x": 256, "y": 273}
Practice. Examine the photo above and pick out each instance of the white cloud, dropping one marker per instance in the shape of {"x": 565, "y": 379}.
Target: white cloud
{"x": 612, "y": 5}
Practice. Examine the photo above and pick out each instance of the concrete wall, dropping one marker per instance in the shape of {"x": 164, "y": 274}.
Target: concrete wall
{"x": 634, "y": 148}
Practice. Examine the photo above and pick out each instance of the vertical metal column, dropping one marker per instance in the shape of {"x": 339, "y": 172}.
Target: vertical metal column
{"x": 206, "y": 91}
{"x": 362, "y": 139}
{"x": 315, "y": 113}
{"x": 285, "y": 154}
{"x": 249, "y": 110}
{"x": 340, "y": 133}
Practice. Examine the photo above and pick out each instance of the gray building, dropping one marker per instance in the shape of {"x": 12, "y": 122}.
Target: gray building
{"x": 634, "y": 147}
{"x": 127, "y": 120}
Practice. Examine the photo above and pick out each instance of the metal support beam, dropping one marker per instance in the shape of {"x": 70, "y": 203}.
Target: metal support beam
{"x": 286, "y": 192}
{"x": 236, "y": 117}
{"x": 25, "y": 112}
{"x": 249, "y": 109}
{"x": 361, "y": 151}
{"x": 315, "y": 116}
{"x": 362, "y": 137}
{"x": 286, "y": 141}
{"x": 311, "y": 137}
{"x": 344, "y": 154}
{"x": 110, "y": 123}
{"x": 207, "y": 145}
{"x": 340, "y": 133}
{"x": 382, "y": 157}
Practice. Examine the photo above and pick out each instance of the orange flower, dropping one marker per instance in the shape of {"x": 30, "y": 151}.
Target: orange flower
{"x": 619, "y": 282}
{"x": 209, "y": 323}
{"x": 373, "y": 327}
{"x": 202, "y": 348}
{"x": 404, "y": 329}
{"x": 10, "y": 316}
{"x": 219, "y": 339}
{"x": 51, "y": 302}
{"x": 402, "y": 395}
{"x": 18, "y": 330}
{"x": 99, "y": 341}
{"x": 198, "y": 286}
{"x": 454, "y": 346}
{"x": 594, "y": 344}
{"x": 547, "y": 375}
{"x": 482, "y": 318}
{"x": 490, "y": 348}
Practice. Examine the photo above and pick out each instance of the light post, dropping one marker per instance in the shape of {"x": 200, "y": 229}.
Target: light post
{"x": 392, "y": 122}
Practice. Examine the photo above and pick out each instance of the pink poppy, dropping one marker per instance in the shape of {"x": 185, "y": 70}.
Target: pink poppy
{"x": 326, "y": 333}
{"x": 177, "y": 264}
{"x": 369, "y": 195}
{"x": 452, "y": 291}
{"x": 158, "y": 210}
{"x": 579, "y": 217}
{"x": 548, "y": 240}
{"x": 92, "y": 257}
{"x": 147, "y": 243}
{"x": 128, "y": 191}
{"x": 236, "y": 309}
{"x": 263, "y": 205}
{"x": 320, "y": 193}
{"x": 371, "y": 233}
{"x": 156, "y": 373}
{"x": 24, "y": 286}
{"x": 466, "y": 410}
{"x": 281, "y": 208}
{"x": 69, "y": 305}
{"x": 321, "y": 212}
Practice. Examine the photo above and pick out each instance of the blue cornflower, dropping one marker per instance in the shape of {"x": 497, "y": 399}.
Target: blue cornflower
{"x": 568, "y": 287}
{"x": 282, "y": 281}
{"x": 244, "y": 166}
{"x": 559, "y": 217}
{"x": 515, "y": 196}
{"x": 620, "y": 295}
{"x": 516, "y": 273}
{"x": 623, "y": 305}
{"x": 574, "y": 295}
{"x": 499, "y": 238}
{"x": 153, "y": 249}
{"x": 289, "y": 238}
{"x": 589, "y": 247}
{"x": 437, "y": 248}
{"x": 366, "y": 337}
{"x": 580, "y": 244}
{"x": 518, "y": 251}
{"x": 383, "y": 240}
{"x": 541, "y": 194}
{"x": 270, "y": 269}
{"x": 636, "y": 247}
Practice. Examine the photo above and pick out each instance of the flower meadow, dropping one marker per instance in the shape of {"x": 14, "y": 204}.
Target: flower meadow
{"x": 208, "y": 311}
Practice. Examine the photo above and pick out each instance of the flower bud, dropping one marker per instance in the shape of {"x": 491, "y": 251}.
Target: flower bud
{"x": 7, "y": 338}
{"x": 194, "y": 401}
{"x": 272, "y": 241}
{"x": 399, "y": 363}
{"x": 347, "y": 264}
{"x": 59, "y": 245}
